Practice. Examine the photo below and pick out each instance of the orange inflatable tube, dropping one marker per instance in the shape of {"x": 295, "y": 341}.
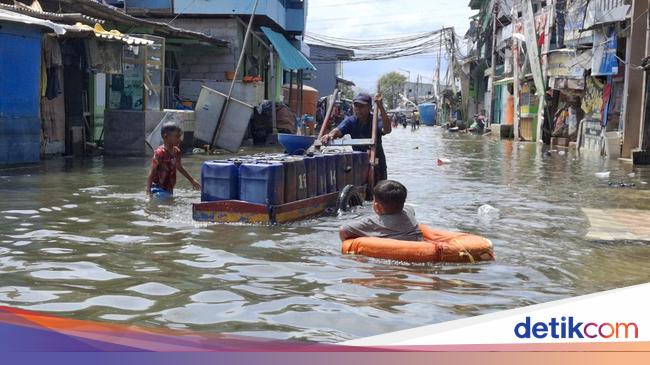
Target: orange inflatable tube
{"x": 438, "y": 246}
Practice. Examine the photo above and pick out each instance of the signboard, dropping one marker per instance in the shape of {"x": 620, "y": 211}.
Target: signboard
{"x": 573, "y": 28}
{"x": 606, "y": 11}
{"x": 532, "y": 47}
{"x": 568, "y": 63}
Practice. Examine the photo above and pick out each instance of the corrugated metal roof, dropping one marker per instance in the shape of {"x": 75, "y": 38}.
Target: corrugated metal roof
{"x": 112, "y": 35}
{"x": 112, "y": 14}
{"x": 10, "y": 16}
{"x": 56, "y": 17}
{"x": 290, "y": 57}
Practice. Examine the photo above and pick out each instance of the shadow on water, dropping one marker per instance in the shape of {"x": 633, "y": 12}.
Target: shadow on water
{"x": 79, "y": 238}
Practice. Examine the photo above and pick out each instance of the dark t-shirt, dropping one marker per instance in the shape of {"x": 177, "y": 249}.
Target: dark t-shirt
{"x": 401, "y": 226}
{"x": 352, "y": 125}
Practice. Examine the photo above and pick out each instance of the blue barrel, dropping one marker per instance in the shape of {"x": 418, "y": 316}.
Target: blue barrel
{"x": 360, "y": 165}
{"x": 332, "y": 186}
{"x": 311, "y": 165}
{"x": 262, "y": 183}
{"x": 321, "y": 163}
{"x": 428, "y": 113}
{"x": 219, "y": 181}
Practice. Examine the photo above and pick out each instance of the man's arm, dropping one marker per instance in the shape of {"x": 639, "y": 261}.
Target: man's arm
{"x": 334, "y": 134}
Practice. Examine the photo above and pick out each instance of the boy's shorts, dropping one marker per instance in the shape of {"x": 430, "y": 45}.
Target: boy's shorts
{"x": 160, "y": 193}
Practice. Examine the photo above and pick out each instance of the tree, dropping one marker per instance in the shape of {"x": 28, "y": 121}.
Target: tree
{"x": 391, "y": 85}
{"x": 346, "y": 91}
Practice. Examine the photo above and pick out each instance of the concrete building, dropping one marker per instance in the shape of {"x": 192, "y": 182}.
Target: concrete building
{"x": 227, "y": 20}
{"x": 329, "y": 63}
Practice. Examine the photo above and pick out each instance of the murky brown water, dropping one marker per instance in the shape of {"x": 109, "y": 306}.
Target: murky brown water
{"x": 79, "y": 239}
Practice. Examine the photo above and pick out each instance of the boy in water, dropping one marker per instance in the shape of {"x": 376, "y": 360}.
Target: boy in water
{"x": 393, "y": 219}
{"x": 166, "y": 160}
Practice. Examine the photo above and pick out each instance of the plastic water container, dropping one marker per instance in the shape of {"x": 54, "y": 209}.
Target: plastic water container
{"x": 321, "y": 163}
{"x": 311, "y": 165}
{"x": 428, "y": 113}
{"x": 219, "y": 181}
{"x": 295, "y": 178}
{"x": 360, "y": 167}
{"x": 344, "y": 174}
{"x": 262, "y": 183}
{"x": 332, "y": 185}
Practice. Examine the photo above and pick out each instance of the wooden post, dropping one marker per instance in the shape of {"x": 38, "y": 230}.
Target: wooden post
{"x": 274, "y": 97}
{"x": 635, "y": 77}
{"x": 224, "y": 109}
{"x": 290, "y": 88}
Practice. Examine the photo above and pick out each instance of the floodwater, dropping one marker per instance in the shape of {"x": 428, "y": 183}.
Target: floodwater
{"x": 79, "y": 239}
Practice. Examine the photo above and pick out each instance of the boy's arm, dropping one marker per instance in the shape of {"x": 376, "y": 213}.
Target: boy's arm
{"x": 356, "y": 229}
{"x": 152, "y": 171}
{"x": 195, "y": 184}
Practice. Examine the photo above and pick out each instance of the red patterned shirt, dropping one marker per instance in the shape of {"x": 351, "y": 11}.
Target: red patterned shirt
{"x": 167, "y": 163}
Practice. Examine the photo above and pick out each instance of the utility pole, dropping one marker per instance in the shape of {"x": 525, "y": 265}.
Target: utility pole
{"x": 515, "y": 85}
{"x": 489, "y": 106}
{"x": 438, "y": 76}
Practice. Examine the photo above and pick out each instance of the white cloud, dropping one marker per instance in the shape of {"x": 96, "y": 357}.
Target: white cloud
{"x": 363, "y": 19}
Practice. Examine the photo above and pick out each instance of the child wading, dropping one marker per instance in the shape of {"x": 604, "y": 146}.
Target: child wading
{"x": 393, "y": 219}
{"x": 166, "y": 160}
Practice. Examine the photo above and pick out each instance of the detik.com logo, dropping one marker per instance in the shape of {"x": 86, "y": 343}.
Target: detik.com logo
{"x": 568, "y": 327}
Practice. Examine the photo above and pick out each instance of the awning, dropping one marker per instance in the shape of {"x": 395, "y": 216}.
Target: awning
{"x": 507, "y": 80}
{"x": 291, "y": 58}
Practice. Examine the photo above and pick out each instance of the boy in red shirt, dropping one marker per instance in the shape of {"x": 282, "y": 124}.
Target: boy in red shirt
{"x": 166, "y": 160}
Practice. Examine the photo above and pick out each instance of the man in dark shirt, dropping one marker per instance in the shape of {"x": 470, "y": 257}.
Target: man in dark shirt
{"x": 359, "y": 126}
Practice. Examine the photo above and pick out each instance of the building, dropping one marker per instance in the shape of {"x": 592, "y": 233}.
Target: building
{"x": 21, "y": 40}
{"x": 568, "y": 66}
{"x": 96, "y": 86}
{"x": 419, "y": 92}
{"x": 329, "y": 63}
{"x": 275, "y": 54}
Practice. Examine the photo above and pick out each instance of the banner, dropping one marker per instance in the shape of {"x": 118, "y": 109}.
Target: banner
{"x": 532, "y": 47}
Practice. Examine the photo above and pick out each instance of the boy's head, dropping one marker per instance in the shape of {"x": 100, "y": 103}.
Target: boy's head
{"x": 389, "y": 197}
{"x": 171, "y": 133}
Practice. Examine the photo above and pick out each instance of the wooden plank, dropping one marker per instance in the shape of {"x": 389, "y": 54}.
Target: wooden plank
{"x": 618, "y": 224}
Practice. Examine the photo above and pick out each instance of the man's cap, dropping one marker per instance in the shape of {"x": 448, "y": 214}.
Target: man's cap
{"x": 362, "y": 98}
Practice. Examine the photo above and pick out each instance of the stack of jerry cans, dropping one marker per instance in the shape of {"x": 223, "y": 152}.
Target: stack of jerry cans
{"x": 349, "y": 168}
{"x": 343, "y": 161}
{"x": 311, "y": 165}
{"x": 262, "y": 182}
{"x": 361, "y": 166}
{"x": 332, "y": 185}
{"x": 321, "y": 167}
{"x": 295, "y": 177}
{"x": 219, "y": 181}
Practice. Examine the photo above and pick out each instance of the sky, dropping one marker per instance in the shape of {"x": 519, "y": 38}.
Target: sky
{"x": 378, "y": 19}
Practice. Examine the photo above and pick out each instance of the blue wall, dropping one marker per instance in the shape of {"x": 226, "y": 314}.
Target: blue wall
{"x": 20, "y": 78}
